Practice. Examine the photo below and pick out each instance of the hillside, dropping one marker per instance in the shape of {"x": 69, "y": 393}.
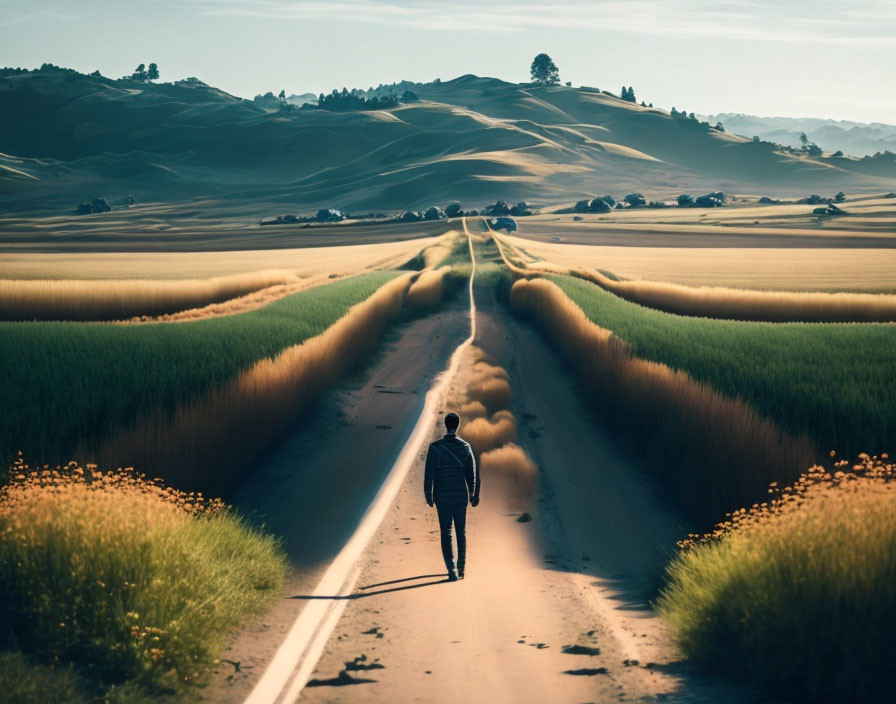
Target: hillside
{"x": 67, "y": 137}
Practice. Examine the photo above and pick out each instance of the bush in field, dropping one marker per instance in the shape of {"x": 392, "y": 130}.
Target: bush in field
{"x": 434, "y": 212}
{"x": 635, "y": 200}
{"x": 125, "y": 578}
{"x": 453, "y": 210}
{"x": 800, "y": 593}
{"x": 498, "y": 208}
{"x": 685, "y": 201}
{"x": 599, "y": 205}
{"x": 711, "y": 200}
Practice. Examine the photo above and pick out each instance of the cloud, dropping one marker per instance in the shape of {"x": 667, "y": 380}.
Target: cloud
{"x": 823, "y": 21}
{"x": 47, "y": 13}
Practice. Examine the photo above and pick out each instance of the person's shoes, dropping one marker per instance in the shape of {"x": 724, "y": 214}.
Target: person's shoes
{"x": 452, "y": 576}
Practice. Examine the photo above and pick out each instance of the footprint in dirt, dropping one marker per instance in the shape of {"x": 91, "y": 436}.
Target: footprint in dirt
{"x": 580, "y": 650}
{"x": 587, "y": 671}
{"x": 341, "y": 680}
{"x": 361, "y": 663}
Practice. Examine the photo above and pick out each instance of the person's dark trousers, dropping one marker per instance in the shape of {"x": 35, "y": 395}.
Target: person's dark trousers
{"x": 456, "y": 514}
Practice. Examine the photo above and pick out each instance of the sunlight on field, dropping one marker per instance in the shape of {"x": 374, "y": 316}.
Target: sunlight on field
{"x": 784, "y": 269}
{"x": 312, "y": 261}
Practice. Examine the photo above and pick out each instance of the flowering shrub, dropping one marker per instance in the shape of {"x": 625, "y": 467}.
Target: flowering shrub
{"x": 124, "y": 577}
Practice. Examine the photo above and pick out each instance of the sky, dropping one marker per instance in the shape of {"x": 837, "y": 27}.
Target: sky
{"x": 797, "y": 58}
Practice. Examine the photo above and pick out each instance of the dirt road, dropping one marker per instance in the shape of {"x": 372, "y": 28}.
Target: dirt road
{"x": 314, "y": 487}
{"x": 551, "y": 610}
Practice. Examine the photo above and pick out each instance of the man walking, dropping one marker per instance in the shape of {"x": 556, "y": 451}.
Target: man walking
{"x": 450, "y": 480}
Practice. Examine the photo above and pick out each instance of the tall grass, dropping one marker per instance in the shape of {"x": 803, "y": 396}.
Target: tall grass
{"x": 492, "y": 438}
{"x": 124, "y": 578}
{"x": 834, "y": 382}
{"x": 204, "y": 444}
{"x": 428, "y": 289}
{"x": 799, "y": 593}
{"x": 722, "y": 302}
{"x": 742, "y": 304}
{"x": 72, "y": 385}
{"x": 121, "y": 299}
{"x": 714, "y": 452}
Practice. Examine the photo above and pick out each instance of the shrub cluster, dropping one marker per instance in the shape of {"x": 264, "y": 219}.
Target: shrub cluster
{"x": 811, "y": 573}
{"x": 123, "y": 577}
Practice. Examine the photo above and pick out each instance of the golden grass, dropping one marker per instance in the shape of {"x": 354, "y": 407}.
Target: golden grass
{"x": 485, "y": 434}
{"x": 301, "y": 261}
{"x": 767, "y": 268}
{"x": 809, "y": 576}
{"x": 207, "y": 443}
{"x": 720, "y": 302}
{"x": 427, "y": 290}
{"x": 472, "y": 409}
{"x": 492, "y": 438}
{"x": 242, "y": 304}
{"x": 124, "y": 577}
{"x": 756, "y": 268}
{"x": 119, "y": 299}
{"x": 512, "y": 466}
{"x": 489, "y": 385}
{"x": 436, "y": 253}
{"x": 715, "y": 452}
{"x": 741, "y": 304}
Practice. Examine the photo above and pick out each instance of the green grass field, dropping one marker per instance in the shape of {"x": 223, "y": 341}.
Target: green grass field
{"x": 69, "y": 385}
{"x": 834, "y": 382}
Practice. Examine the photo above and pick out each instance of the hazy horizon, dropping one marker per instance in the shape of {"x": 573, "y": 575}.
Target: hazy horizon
{"x": 787, "y": 59}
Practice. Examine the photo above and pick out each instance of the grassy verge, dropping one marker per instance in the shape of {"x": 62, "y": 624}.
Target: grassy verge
{"x": 800, "y": 594}
{"x": 75, "y": 384}
{"x": 205, "y": 444}
{"x": 121, "y": 299}
{"x": 123, "y": 580}
{"x": 834, "y": 382}
{"x": 711, "y": 451}
{"x": 742, "y": 304}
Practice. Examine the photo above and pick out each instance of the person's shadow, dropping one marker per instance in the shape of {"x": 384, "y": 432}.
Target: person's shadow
{"x": 362, "y": 591}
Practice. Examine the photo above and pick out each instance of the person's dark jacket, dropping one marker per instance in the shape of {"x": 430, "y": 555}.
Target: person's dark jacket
{"x": 450, "y": 476}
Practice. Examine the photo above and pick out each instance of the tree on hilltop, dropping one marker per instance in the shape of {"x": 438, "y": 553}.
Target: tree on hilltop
{"x": 152, "y": 73}
{"x": 544, "y": 71}
{"x": 139, "y": 73}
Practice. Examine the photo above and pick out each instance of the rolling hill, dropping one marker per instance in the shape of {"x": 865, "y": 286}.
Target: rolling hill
{"x": 67, "y": 137}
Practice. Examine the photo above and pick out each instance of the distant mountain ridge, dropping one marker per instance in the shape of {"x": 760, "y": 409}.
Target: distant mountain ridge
{"x": 67, "y": 137}
{"x": 856, "y": 138}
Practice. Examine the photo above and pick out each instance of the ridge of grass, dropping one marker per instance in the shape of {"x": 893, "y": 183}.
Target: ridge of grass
{"x": 74, "y": 384}
{"x": 835, "y": 382}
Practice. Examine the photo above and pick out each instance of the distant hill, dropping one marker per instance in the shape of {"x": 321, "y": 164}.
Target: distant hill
{"x": 67, "y": 137}
{"x": 856, "y": 138}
